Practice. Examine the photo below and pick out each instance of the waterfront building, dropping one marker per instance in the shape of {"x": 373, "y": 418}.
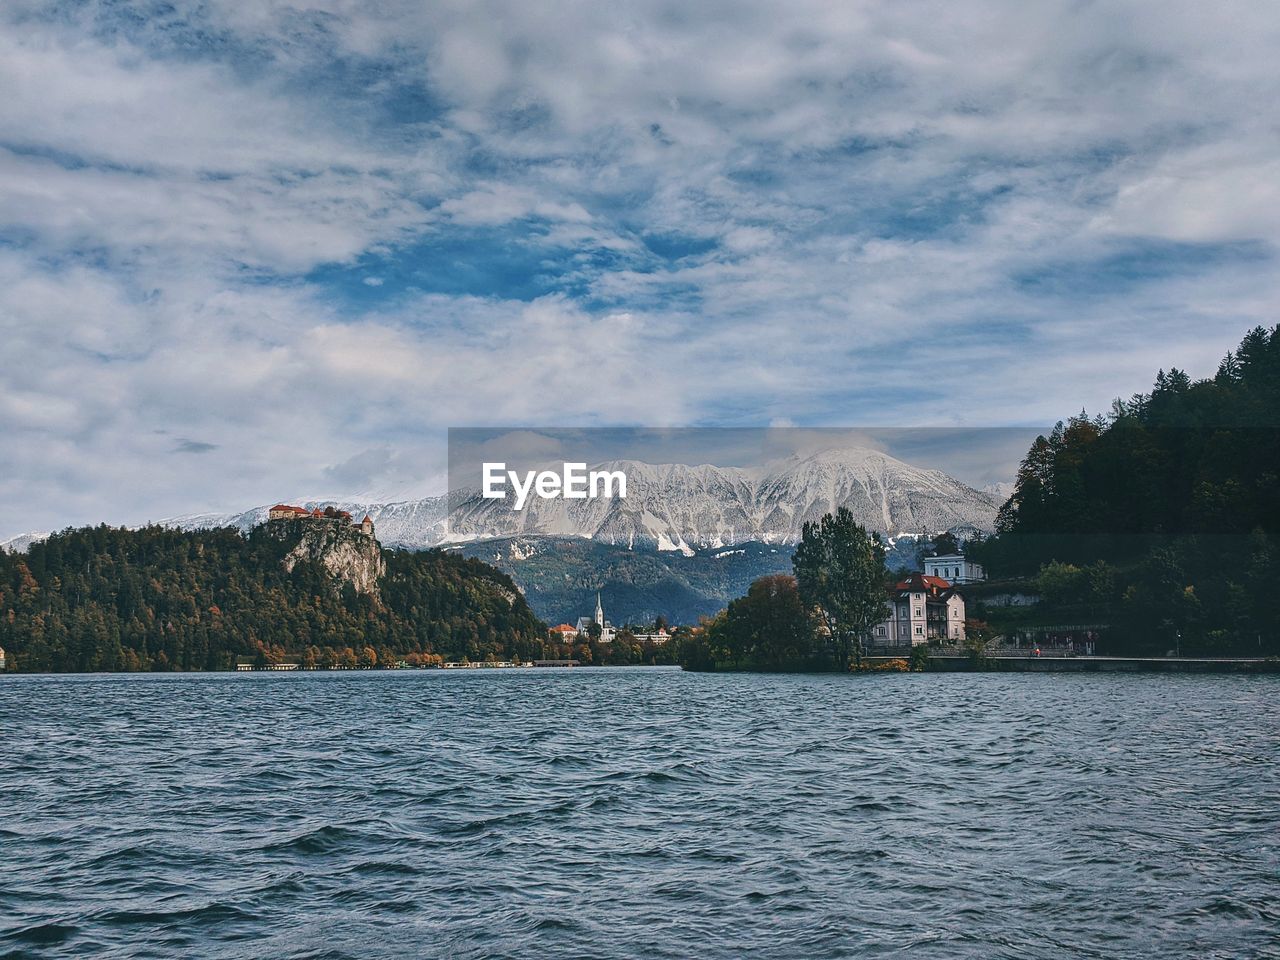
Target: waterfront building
{"x": 2, "y": 660}
{"x": 954, "y": 567}
{"x": 245, "y": 664}
{"x": 657, "y": 638}
{"x": 921, "y": 608}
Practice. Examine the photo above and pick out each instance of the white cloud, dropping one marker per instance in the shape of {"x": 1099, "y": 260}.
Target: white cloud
{"x": 497, "y": 204}
{"x": 808, "y": 213}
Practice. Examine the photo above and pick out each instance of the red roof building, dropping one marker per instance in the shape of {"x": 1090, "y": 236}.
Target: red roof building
{"x": 920, "y": 609}
{"x": 285, "y": 511}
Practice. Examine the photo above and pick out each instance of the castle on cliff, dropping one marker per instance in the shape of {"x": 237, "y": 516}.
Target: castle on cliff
{"x": 284, "y": 511}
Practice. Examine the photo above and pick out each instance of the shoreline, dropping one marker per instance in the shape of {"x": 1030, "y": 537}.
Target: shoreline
{"x": 1026, "y": 664}
{"x": 1252, "y": 666}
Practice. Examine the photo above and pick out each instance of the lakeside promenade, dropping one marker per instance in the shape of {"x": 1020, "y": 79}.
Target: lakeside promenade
{"x": 1081, "y": 664}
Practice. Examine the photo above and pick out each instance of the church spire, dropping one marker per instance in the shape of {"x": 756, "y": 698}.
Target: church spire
{"x": 599, "y": 618}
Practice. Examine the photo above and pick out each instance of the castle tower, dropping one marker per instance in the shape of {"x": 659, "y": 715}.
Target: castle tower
{"x": 366, "y": 525}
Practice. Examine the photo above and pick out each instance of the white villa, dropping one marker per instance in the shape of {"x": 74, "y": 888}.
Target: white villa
{"x": 921, "y": 608}
{"x": 955, "y": 568}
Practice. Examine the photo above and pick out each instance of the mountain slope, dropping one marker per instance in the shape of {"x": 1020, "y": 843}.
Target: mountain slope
{"x": 678, "y": 507}
{"x": 559, "y": 576}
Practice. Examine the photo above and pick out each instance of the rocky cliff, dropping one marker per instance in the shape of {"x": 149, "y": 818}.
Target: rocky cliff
{"x": 348, "y": 555}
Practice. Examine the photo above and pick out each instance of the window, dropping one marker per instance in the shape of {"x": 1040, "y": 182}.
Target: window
{"x": 919, "y": 630}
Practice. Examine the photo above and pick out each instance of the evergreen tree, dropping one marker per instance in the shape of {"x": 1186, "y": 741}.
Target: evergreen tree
{"x": 157, "y": 599}
{"x": 840, "y": 571}
{"x": 1168, "y": 501}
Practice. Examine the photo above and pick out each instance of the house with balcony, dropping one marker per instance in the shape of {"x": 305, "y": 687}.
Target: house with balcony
{"x": 920, "y": 609}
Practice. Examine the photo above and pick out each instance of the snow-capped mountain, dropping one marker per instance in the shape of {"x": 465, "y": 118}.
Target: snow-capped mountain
{"x": 688, "y": 508}
{"x": 999, "y": 492}
{"x": 20, "y": 544}
{"x": 413, "y": 524}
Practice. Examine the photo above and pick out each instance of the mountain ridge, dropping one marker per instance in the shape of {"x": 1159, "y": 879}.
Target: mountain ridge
{"x": 687, "y": 508}
{"x": 681, "y": 507}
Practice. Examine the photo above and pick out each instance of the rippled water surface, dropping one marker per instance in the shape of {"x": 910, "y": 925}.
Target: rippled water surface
{"x": 639, "y": 813}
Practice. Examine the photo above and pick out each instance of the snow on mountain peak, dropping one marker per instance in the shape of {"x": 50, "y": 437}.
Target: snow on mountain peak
{"x": 682, "y": 507}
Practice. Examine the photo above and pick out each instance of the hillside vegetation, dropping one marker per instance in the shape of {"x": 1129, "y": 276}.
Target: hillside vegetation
{"x": 1161, "y": 519}
{"x": 104, "y": 598}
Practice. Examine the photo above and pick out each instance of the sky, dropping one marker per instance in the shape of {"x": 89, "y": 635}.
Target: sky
{"x": 261, "y": 251}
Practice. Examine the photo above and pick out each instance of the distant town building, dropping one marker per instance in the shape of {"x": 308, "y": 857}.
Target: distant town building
{"x": 245, "y": 664}
{"x": 285, "y": 511}
{"x": 921, "y": 608}
{"x": 2, "y": 660}
{"x": 606, "y": 628}
{"x": 565, "y": 633}
{"x": 657, "y": 638}
{"x": 955, "y": 568}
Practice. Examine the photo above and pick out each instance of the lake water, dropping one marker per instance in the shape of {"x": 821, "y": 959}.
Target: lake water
{"x": 639, "y": 813}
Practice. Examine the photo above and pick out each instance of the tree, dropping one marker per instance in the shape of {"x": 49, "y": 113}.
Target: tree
{"x": 782, "y": 626}
{"x": 944, "y": 545}
{"x": 109, "y": 599}
{"x": 840, "y": 572}
{"x": 690, "y": 647}
{"x": 1061, "y": 583}
{"x": 978, "y": 635}
{"x": 1151, "y": 513}
{"x": 770, "y": 628}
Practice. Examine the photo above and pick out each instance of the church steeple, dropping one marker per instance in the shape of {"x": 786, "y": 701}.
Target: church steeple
{"x": 599, "y": 617}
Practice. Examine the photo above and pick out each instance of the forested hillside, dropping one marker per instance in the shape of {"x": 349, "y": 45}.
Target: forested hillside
{"x": 1162, "y": 518}
{"x": 104, "y": 598}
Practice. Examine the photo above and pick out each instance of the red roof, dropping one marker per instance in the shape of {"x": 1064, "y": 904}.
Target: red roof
{"x": 367, "y": 519}
{"x": 921, "y": 582}
{"x": 564, "y": 628}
